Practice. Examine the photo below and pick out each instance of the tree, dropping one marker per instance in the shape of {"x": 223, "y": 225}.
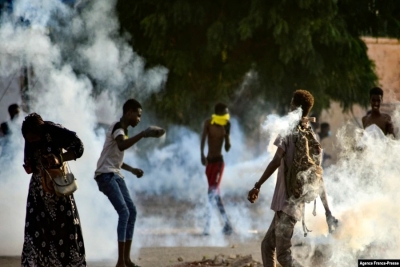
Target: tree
{"x": 372, "y": 18}
{"x": 248, "y": 53}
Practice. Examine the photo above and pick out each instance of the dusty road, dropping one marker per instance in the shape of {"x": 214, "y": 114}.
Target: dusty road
{"x": 166, "y": 256}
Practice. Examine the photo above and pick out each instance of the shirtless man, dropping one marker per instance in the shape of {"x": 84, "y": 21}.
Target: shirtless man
{"x": 216, "y": 130}
{"x": 383, "y": 121}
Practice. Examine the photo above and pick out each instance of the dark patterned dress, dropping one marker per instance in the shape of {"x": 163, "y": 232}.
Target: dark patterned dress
{"x": 53, "y": 235}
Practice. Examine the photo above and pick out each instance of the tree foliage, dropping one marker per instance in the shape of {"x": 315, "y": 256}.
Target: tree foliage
{"x": 372, "y": 18}
{"x": 250, "y": 53}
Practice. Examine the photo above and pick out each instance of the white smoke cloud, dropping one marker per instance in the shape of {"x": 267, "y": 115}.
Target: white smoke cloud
{"x": 276, "y": 125}
{"x": 362, "y": 190}
{"x": 362, "y": 186}
{"x": 61, "y": 91}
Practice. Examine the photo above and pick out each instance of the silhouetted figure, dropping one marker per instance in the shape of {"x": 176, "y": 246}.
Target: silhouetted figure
{"x": 14, "y": 111}
{"x": 325, "y": 131}
{"x": 216, "y": 130}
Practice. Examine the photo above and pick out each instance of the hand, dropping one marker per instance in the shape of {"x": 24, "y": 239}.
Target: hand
{"x": 138, "y": 172}
{"x": 203, "y": 160}
{"x": 227, "y": 146}
{"x": 253, "y": 195}
{"x": 153, "y": 131}
{"x": 332, "y": 222}
{"x": 50, "y": 161}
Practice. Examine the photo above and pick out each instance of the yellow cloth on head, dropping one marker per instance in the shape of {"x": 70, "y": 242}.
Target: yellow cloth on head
{"x": 220, "y": 119}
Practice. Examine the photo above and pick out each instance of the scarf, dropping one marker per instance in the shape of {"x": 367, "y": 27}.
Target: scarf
{"x": 220, "y": 119}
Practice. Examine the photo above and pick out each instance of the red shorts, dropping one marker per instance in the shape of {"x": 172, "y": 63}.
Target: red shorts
{"x": 214, "y": 172}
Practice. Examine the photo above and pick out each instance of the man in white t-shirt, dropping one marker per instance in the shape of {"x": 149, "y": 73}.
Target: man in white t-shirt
{"x": 110, "y": 180}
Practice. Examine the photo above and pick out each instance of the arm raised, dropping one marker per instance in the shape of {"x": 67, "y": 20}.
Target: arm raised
{"x": 124, "y": 143}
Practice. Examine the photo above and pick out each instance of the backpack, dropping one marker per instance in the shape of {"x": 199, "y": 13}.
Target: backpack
{"x": 304, "y": 175}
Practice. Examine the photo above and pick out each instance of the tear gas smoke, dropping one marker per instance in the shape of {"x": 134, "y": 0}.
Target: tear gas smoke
{"x": 67, "y": 58}
{"x": 61, "y": 91}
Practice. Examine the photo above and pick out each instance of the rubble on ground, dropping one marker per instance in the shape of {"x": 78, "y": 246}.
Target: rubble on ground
{"x": 222, "y": 260}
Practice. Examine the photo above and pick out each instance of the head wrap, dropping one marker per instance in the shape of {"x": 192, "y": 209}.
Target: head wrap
{"x": 220, "y": 119}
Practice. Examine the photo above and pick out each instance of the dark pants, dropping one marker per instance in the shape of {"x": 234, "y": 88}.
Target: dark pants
{"x": 278, "y": 241}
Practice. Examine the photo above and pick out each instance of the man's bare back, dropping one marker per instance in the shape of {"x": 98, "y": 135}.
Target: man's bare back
{"x": 382, "y": 120}
{"x": 215, "y": 138}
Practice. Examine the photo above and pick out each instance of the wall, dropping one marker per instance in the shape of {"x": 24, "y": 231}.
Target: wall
{"x": 385, "y": 53}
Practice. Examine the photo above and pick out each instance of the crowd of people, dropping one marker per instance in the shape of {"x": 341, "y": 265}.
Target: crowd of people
{"x": 53, "y": 235}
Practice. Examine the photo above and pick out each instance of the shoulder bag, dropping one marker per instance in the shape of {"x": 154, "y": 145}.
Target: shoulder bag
{"x": 60, "y": 181}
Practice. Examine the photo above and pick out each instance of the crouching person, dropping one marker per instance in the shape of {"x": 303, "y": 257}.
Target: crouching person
{"x": 109, "y": 177}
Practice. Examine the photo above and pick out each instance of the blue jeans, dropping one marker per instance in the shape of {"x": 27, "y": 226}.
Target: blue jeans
{"x": 114, "y": 187}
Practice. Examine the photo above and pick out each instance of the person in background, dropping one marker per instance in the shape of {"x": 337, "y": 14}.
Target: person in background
{"x": 325, "y": 132}
{"x": 6, "y": 127}
{"x": 382, "y": 120}
{"x": 216, "y": 131}
{"x": 14, "y": 111}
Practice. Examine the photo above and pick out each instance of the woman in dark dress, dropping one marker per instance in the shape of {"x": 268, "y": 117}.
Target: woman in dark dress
{"x": 53, "y": 235}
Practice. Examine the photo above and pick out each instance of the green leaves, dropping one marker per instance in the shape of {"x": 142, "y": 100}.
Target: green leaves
{"x": 215, "y": 34}
{"x": 210, "y": 47}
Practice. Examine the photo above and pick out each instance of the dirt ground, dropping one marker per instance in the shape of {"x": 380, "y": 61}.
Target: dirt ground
{"x": 154, "y": 253}
{"x": 174, "y": 256}
{"x": 168, "y": 256}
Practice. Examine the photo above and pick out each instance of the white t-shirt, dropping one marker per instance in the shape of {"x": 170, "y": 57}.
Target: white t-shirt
{"x": 111, "y": 157}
